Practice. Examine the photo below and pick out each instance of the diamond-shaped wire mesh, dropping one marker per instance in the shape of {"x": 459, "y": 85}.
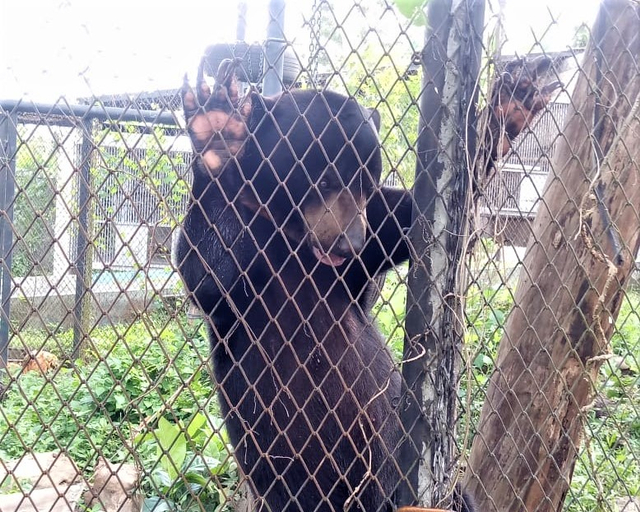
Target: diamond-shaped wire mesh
{"x": 409, "y": 276}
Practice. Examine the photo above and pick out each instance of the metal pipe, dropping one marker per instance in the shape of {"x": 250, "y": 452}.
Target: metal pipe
{"x": 274, "y": 49}
{"x": 100, "y": 112}
{"x": 241, "y": 27}
{"x": 83, "y": 259}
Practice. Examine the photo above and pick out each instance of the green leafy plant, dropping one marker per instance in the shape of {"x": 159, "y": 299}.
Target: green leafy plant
{"x": 34, "y": 208}
{"x": 193, "y": 467}
{"x": 130, "y": 377}
{"x": 378, "y": 83}
{"x": 127, "y": 375}
{"x": 389, "y": 311}
{"x": 133, "y": 166}
{"x": 413, "y": 10}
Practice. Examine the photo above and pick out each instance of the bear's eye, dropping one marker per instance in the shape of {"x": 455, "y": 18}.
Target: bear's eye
{"x": 324, "y": 184}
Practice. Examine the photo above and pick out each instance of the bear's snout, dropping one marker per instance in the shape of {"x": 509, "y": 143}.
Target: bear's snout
{"x": 338, "y": 227}
{"x": 351, "y": 242}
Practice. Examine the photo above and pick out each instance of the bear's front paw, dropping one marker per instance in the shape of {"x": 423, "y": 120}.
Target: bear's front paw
{"x": 216, "y": 120}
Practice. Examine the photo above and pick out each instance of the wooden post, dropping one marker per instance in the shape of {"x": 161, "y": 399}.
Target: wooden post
{"x": 581, "y": 253}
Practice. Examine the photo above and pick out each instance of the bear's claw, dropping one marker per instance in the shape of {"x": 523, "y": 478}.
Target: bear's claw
{"x": 216, "y": 120}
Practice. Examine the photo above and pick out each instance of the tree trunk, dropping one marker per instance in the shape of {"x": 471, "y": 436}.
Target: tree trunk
{"x": 581, "y": 254}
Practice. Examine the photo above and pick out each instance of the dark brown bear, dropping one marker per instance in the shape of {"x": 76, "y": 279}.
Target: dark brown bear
{"x": 286, "y": 229}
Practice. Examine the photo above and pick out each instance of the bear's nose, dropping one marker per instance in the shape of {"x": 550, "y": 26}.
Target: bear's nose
{"x": 352, "y": 240}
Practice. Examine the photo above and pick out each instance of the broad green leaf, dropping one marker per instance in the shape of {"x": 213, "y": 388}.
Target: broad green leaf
{"x": 161, "y": 476}
{"x": 411, "y": 8}
{"x": 156, "y": 504}
{"x": 196, "y": 424}
{"x": 195, "y": 478}
{"x": 172, "y": 446}
{"x": 143, "y": 438}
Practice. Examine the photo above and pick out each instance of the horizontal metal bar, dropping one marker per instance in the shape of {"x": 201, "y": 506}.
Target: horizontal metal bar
{"x": 102, "y": 113}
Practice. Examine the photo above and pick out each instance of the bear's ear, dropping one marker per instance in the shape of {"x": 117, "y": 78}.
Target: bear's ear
{"x": 374, "y": 115}
{"x": 540, "y": 66}
{"x": 512, "y": 66}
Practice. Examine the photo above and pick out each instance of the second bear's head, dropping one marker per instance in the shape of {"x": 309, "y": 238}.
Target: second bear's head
{"x": 310, "y": 165}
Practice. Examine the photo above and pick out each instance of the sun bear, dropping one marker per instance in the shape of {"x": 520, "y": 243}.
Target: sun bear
{"x": 286, "y": 228}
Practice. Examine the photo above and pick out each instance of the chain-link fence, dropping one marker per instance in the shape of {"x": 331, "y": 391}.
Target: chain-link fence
{"x": 407, "y": 280}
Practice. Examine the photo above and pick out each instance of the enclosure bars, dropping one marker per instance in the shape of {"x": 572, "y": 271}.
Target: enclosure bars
{"x": 82, "y": 115}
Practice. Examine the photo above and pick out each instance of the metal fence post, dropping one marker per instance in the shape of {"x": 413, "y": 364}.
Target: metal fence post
{"x": 450, "y": 64}
{"x": 8, "y": 148}
{"x": 241, "y": 26}
{"x": 274, "y": 49}
{"x": 84, "y": 254}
